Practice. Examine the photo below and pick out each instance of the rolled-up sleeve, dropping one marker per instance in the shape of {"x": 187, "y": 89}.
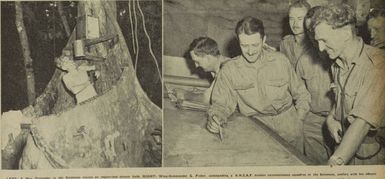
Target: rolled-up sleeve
{"x": 370, "y": 101}
{"x": 224, "y": 97}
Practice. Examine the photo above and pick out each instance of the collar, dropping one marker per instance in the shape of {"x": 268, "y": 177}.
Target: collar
{"x": 358, "y": 52}
{"x": 221, "y": 60}
{"x": 213, "y": 74}
{"x": 218, "y": 66}
{"x": 261, "y": 59}
{"x": 304, "y": 42}
{"x": 375, "y": 55}
{"x": 300, "y": 39}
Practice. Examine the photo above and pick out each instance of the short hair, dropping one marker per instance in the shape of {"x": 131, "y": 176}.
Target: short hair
{"x": 310, "y": 14}
{"x": 376, "y": 12}
{"x": 335, "y": 15}
{"x": 204, "y": 46}
{"x": 250, "y": 25}
{"x": 300, "y": 4}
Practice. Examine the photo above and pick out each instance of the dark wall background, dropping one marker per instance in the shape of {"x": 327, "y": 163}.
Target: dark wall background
{"x": 185, "y": 20}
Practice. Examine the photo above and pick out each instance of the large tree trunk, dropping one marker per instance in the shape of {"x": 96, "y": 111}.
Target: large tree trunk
{"x": 26, "y": 53}
{"x": 63, "y": 18}
{"x": 118, "y": 128}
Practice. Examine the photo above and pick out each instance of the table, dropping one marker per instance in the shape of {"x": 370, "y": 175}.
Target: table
{"x": 246, "y": 142}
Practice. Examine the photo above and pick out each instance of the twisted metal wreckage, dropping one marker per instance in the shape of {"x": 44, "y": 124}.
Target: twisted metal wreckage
{"x": 120, "y": 127}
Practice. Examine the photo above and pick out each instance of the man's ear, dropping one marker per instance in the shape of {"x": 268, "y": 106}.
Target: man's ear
{"x": 346, "y": 32}
{"x": 236, "y": 36}
{"x": 192, "y": 54}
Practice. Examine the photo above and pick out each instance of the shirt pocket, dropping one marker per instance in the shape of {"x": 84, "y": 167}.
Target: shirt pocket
{"x": 277, "y": 92}
{"x": 247, "y": 93}
{"x": 243, "y": 86}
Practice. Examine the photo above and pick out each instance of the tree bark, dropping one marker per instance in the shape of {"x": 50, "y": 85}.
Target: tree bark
{"x": 63, "y": 18}
{"x": 120, "y": 126}
{"x": 26, "y": 53}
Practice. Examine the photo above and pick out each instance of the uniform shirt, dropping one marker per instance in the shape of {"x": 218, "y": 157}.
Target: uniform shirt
{"x": 224, "y": 60}
{"x": 293, "y": 49}
{"x": 266, "y": 87}
{"x": 314, "y": 68}
{"x": 208, "y": 91}
{"x": 361, "y": 84}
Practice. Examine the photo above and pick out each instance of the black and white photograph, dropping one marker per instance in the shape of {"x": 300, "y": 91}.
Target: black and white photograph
{"x": 81, "y": 84}
{"x": 273, "y": 83}
{"x": 192, "y": 89}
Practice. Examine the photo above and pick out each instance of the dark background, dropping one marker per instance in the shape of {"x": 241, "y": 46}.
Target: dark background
{"x": 185, "y": 20}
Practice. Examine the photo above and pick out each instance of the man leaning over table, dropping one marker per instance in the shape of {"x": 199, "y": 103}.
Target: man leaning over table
{"x": 205, "y": 54}
{"x": 263, "y": 84}
{"x": 358, "y": 113}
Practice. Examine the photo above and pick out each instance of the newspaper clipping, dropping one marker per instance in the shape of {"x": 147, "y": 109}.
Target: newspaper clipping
{"x": 105, "y": 89}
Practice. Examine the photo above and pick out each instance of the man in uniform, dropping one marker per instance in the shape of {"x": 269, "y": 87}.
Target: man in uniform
{"x": 358, "y": 112}
{"x": 205, "y": 54}
{"x": 204, "y": 51}
{"x": 314, "y": 69}
{"x": 376, "y": 26}
{"x": 263, "y": 84}
{"x": 293, "y": 46}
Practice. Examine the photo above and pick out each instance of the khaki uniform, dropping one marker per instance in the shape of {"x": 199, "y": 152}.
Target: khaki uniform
{"x": 293, "y": 49}
{"x": 360, "y": 93}
{"x": 208, "y": 91}
{"x": 265, "y": 90}
{"x": 314, "y": 68}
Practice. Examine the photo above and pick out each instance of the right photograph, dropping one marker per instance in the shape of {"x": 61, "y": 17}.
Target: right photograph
{"x": 273, "y": 83}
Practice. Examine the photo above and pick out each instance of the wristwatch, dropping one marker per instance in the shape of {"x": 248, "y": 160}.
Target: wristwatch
{"x": 334, "y": 160}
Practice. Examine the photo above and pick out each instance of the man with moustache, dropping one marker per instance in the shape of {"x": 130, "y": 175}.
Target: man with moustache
{"x": 293, "y": 46}
{"x": 358, "y": 113}
{"x": 263, "y": 84}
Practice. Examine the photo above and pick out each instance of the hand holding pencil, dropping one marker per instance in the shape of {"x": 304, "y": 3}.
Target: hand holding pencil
{"x": 214, "y": 126}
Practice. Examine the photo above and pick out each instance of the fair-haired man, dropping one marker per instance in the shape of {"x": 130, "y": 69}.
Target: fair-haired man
{"x": 358, "y": 111}
{"x": 262, "y": 84}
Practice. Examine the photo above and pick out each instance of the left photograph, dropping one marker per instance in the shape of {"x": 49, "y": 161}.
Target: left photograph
{"x": 80, "y": 84}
